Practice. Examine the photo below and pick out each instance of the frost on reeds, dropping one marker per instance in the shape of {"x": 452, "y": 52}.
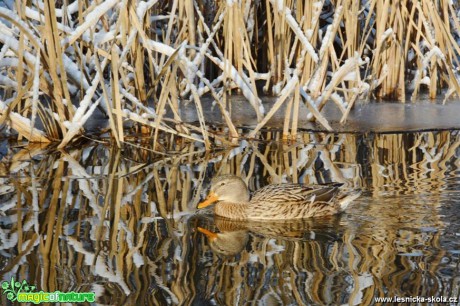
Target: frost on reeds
{"x": 62, "y": 63}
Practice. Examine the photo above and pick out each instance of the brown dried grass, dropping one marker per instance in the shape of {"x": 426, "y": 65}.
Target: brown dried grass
{"x": 161, "y": 53}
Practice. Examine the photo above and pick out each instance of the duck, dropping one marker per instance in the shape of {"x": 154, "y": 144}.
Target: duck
{"x": 231, "y": 197}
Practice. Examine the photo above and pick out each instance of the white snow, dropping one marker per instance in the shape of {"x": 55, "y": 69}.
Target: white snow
{"x": 295, "y": 28}
{"x": 276, "y": 89}
{"x": 7, "y": 82}
{"x": 426, "y": 80}
{"x": 160, "y": 47}
{"x": 91, "y": 19}
{"x": 143, "y": 7}
{"x": 386, "y": 34}
{"x": 81, "y": 115}
{"x": 365, "y": 280}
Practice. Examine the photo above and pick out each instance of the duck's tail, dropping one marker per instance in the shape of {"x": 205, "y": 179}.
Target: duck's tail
{"x": 347, "y": 198}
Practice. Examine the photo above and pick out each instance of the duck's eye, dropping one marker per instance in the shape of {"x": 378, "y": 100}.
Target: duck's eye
{"x": 222, "y": 184}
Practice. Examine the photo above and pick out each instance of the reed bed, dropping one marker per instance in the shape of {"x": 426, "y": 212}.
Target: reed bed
{"x": 120, "y": 223}
{"x": 136, "y": 62}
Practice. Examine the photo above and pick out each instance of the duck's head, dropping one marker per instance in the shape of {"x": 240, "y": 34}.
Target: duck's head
{"x": 226, "y": 243}
{"x": 228, "y": 188}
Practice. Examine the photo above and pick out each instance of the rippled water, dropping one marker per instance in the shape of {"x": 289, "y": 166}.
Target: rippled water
{"x": 123, "y": 224}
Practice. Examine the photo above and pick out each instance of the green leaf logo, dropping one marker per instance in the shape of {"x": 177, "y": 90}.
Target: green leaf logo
{"x": 13, "y": 288}
{"x": 5, "y": 285}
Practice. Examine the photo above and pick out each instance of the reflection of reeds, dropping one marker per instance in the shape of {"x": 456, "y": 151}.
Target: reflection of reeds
{"x": 409, "y": 169}
{"x": 136, "y": 60}
{"x": 319, "y": 271}
{"x": 95, "y": 218}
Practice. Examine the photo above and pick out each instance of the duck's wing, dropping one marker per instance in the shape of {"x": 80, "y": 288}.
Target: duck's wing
{"x": 292, "y": 193}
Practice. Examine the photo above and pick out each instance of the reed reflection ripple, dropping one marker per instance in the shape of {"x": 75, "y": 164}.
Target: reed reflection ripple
{"x": 123, "y": 224}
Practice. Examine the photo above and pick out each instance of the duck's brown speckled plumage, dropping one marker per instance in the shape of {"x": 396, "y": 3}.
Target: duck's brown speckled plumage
{"x": 275, "y": 202}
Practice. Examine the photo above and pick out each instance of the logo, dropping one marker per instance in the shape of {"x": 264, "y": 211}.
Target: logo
{"x": 22, "y": 292}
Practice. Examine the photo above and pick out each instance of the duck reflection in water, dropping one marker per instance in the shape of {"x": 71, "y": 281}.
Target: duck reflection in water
{"x": 226, "y": 243}
{"x": 233, "y": 236}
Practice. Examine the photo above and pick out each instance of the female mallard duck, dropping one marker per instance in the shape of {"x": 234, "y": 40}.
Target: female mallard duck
{"x": 275, "y": 202}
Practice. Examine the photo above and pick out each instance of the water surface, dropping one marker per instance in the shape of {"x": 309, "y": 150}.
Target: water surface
{"x": 123, "y": 224}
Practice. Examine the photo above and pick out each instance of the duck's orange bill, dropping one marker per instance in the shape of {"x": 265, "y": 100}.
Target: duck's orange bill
{"x": 208, "y": 234}
{"x": 210, "y": 199}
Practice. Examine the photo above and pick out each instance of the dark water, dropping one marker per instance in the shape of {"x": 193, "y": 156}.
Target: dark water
{"x": 123, "y": 224}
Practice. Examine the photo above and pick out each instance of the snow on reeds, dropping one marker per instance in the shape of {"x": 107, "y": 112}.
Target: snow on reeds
{"x": 63, "y": 62}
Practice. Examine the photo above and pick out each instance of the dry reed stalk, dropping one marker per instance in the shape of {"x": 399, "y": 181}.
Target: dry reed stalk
{"x": 173, "y": 184}
{"x": 309, "y": 12}
{"x": 30, "y": 151}
{"x": 161, "y": 104}
{"x": 189, "y": 17}
{"x": 285, "y": 93}
{"x": 271, "y": 45}
{"x": 100, "y": 68}
{"x": 105, "y": 211}
{"x": 22, "y": 125}
{"x": 173, "y": 103}
{"x": 25, "y": 244}
{"x": 116, "y": 93}
{"x": 199, "y": 108}
{"x": 164, "y": 128}
{"x": 287, "y": 119}
{"x": 237, "y": 44}
{"x": 59, "y": 83}
{"x": 314, "y": 110}
{"x": 115, "y": 212}
{"x": 227, "y": 118}
{"x": 317, "y": 83}
{"x": 170, "y": 27}
{"x": 159, "y": 188}
{"x": 20, "y": 70}
{"x": 46, "y": 246}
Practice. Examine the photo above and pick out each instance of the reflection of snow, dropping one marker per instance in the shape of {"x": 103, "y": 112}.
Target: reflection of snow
{"x": 101, "y": 267}
{"x": 271, "y": 249}
{"x": 364, "y": 281}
